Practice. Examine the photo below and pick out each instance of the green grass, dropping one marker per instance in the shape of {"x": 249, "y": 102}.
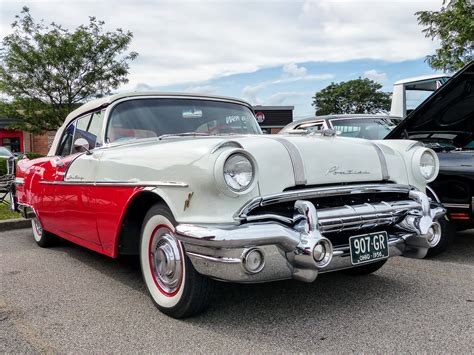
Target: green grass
{"x": 6, "y": 213}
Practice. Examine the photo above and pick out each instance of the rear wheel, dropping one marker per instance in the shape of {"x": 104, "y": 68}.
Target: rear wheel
{"x": 43, "y": 238}
{"x": 172, "y": 282}
{"x": 365, "y": 269}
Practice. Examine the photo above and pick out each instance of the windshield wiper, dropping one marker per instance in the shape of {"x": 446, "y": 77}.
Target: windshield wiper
{"x": 184, "y": 134}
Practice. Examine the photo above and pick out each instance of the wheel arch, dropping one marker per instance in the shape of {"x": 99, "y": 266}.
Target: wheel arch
{"x": 128, "y": 241}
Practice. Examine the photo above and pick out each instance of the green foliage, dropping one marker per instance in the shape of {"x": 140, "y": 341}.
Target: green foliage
{"x": 33, "y": 155}
{"x": 353, "y": 96}
{"x": 7, "y": 213}
{"x": 453, "y": 25}
{"x": 48, "y": 71}
{"x": 3, "y": 166}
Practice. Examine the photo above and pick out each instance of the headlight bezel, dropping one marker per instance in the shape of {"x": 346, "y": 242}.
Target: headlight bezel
{"x": 232, "y": 156}
{"x": 416, "y": 165}
{"x": 219, "y": 174}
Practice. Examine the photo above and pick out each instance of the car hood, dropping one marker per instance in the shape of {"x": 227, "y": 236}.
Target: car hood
{"x": 283, "y": 161}
{"x": 448, "y": 110}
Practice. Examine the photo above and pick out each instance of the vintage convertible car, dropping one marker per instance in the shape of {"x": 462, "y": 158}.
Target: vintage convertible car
{"x": 191, "y": 185}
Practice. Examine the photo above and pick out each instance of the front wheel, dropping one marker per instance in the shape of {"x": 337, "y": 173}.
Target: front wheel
{"x": 447, "y": 235}
{"x": 172, "y": 282}
{"x": 365, "y": 269}
{"x": 43, "y": 238}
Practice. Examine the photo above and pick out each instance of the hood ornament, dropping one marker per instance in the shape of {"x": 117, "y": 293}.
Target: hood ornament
{"x": 336, "y": 170}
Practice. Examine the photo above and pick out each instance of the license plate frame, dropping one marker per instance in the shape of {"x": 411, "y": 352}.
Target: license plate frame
{"x": 366, "y": 248}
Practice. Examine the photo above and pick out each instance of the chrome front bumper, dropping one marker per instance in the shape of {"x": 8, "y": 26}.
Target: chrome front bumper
{"x": 220, "y": 251}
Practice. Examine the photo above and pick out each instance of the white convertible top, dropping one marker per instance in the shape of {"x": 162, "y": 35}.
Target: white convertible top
{"x": 107, "y": 100}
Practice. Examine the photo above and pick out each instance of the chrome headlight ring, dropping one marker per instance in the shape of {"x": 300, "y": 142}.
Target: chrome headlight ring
{"x": 425, "y": 165}
{"x": 235, "y": 172}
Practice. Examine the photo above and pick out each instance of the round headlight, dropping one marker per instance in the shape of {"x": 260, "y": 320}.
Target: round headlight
{"x": 238, "y": 172}
{"x": 427, "y": 165}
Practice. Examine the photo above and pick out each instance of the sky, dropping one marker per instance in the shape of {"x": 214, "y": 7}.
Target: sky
{"x": 267, "y": 52}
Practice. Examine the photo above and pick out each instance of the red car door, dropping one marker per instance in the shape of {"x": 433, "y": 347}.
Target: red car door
{"x": 72, "y": 213}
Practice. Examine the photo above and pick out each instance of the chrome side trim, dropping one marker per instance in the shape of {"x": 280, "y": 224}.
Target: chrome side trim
{"x": 457, "y": 205}
{"x": 220, "y": 145}
{"x": 383, "y": 161}
{"x": 320, "y": 192}
{"x": 223, "y": 260}
{"x": 296, "y": 161}
{"x": 117, "y": 183}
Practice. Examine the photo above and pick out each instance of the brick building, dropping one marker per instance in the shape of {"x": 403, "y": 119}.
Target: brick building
{"x": 21, "y": 141}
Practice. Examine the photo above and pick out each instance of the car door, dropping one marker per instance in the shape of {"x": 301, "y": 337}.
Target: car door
{"x": 74, "y": 207}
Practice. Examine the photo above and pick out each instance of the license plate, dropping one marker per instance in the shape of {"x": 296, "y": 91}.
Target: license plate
{"x": 368, "y": 247}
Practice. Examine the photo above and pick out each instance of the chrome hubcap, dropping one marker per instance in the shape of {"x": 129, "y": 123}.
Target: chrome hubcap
{"x": 166, "y": 264}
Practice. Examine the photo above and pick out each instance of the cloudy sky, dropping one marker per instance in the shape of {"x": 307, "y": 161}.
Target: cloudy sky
{"x": 268, "y": 52}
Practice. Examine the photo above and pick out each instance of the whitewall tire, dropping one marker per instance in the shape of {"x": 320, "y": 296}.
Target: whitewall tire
{"x": 43, "y": 238}
{"x": 172, "y": 282}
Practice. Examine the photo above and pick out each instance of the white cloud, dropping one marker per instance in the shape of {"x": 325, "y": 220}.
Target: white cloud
{"x": 375, "y": 75}
{"x": 202, "y": 89}
{"x": 250, "y": 94}
{"x": 194, "y": 41}
{"x": 281, "y": 98}
{"x": 294, "y": 70}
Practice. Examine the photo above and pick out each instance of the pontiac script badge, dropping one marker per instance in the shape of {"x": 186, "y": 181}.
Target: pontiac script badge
{"x": 336, "y": 170}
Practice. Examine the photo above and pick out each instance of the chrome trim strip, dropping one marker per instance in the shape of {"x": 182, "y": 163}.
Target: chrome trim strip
{"x": 383, "y": 161}
{"x": 117, "y": 183}
{"x": 296, "y": 161}
{"x": 220, "y": 145}
{"x": 320, "y": 192}
{"x": 223, "y": 260}
{"x": 457, "y": 205}
{"x": 433, "y": 193}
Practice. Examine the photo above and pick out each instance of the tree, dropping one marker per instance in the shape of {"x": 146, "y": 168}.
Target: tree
{"x": 47, "y": 71}
{"x": 453, "y": 25}
{"x": 353, "y": 96}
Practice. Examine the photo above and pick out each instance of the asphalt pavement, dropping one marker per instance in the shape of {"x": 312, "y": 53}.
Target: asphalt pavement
{"x": 70, "y": 299}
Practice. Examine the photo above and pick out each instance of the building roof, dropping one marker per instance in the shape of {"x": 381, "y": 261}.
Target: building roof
{"x": 422, "y": 78}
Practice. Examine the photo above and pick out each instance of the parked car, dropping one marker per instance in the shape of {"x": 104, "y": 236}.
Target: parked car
{"x": 7, "y": 171}
{"x": 191, "y": 185}
{"x": 444, "y": 122}
{"x": 354, "y": 126}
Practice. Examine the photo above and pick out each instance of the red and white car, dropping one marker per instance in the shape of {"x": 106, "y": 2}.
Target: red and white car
{"x": 191, "y": 185}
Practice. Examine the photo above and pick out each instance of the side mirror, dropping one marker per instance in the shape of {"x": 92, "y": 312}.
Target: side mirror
{"x": 81, "y": 144}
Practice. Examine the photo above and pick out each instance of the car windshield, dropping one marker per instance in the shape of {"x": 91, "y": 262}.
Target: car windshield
{"x": 368, "y": 128}
{"x": 147, "y": 118}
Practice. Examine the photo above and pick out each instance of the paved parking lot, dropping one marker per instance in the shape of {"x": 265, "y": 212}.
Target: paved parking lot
{"x": 69, "y": 299}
